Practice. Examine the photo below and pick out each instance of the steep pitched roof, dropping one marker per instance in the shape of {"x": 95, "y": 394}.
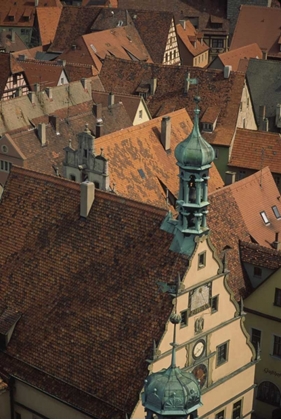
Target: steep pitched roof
{"x": 259, "y": 255}
{"x": 215, "y": 90}
{"x": 264, "y": 81}
{"x": 77, "y": 71}
{"x": 139, "y": 165}
{"x": 50, "y": 250}
{"x": 8, "y": 66}
{"x": 260, "y": 25}
{"x": 255, "y": 149}
{"x": 48, "y": 19}
{"x": 70, "y": 122}
{"x": 74, "y": 22}
{"x": 45, "y": 73}
{"x": 232, "y": 58}
{"x": 188, "y": 33}
{"x": 255, "y": 194}
{"x": 10, "y": 45}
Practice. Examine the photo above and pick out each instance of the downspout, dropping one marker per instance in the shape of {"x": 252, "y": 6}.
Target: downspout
{"x": 12, "y": 400}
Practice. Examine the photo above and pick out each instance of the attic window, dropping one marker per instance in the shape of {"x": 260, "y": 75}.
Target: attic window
{"x": 142, "y": 174}
{"x": 276, "y": 212}
{"x": 264, "y": 217}
{"x": 257, "y": 271}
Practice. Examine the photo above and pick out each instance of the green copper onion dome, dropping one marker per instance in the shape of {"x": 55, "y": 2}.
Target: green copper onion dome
{"x": 194, "y": 150}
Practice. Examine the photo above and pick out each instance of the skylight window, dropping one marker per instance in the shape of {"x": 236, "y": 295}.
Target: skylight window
{"x": 264, "y": 217}
{"x": 142, "y": 174}
{"x": 276, "y": 212}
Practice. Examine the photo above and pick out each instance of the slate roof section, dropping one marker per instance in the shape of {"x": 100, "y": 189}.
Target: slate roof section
{"x": 260, "y": 256}
{"x": 232, "y": 58}
{"x": 255, "y": 149}
{"x": 189, "y": 33}
{"x": 255, "y": 194}
{"x": 120, "y": 76}
{"x": 74, "y": 22}
{"x": 72, "y": 313}
{"x": 260, "y": 25}
{"x": 139, "y": 148}
{"x": 264, "y": 82}
{"x": 48, "y": 19}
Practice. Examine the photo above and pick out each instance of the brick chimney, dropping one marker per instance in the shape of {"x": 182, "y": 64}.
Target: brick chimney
{"x": 42, "y": 134}
{"x": 111, "y": 99}
{"x": 226, "y": 71}
{"x": 97, "y": 109}
{"x": 87, "y": 197}
{"x": 261, "y": 117}
{"x": 166, "y": 126}
{"x": 36, "y": 87}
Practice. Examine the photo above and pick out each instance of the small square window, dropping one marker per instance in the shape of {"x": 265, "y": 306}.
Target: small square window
{"x": 257, "y": 271}
{"x": 264, "y": 217}
{"x": 237, "y": 410}
{"x": 73, "y": 177}
{"x": 277, "y": 297}
{"x": 214, "y": 304}
{"x": 202, "y": 259}
{"x": 184, "y": 319}
{"x": 222, "y": 353}
{"x": 220, "y": 415}
{"x": 276, "y": 212}
{"x": 277, "y": 346}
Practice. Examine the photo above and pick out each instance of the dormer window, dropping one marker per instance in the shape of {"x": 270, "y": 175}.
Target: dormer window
{"x": 264, "y": 217}
{"x": 276, "y": 212}
{"x": 207, "y": 127}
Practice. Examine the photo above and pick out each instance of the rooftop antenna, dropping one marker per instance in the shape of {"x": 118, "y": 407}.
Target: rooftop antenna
{"x": 262, "y": 160}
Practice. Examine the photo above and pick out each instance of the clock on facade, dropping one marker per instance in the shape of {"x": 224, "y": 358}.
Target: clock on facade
{"x": 198, "y": 349}
{"x": 201, "y": 373}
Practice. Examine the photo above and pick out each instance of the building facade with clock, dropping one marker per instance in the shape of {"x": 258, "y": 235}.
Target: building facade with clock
{"x": 212, "y": 342}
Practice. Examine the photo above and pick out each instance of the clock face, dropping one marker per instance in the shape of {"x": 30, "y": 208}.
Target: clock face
{"x": 198, "y": 349}
{"x": 200, "y": 372}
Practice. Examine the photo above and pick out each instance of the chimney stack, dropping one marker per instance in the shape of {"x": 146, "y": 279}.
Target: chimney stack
{"x": 87, "y": 196}
{"x": 13, "y": 36}
{"x": 261, "y": 117}
{"x": 55, "y": 122}
{"x": 276, "y": 244}
{"x": 166, "y": 126}
{"x": 31, "y": 96}
{"x": 85, "y": 83}
{"x": 111, "y": 99}
{"x": 153, "y": 85}
{"x": 36, "y": 87}
{"x": 42, "y": 134}
{"x": 97, "y": 108}
{"x": 49, "y": 92}
{"x": 264, "y": 55}
{"x": 226, "y": 71}
{"x": 182, "y": 22}
{"x": 99, "y": 128}
{"x": 230, "y": 177}
{"x": 19, "y": 91}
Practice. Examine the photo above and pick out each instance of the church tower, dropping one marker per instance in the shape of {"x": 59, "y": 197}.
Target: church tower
{"x": 194, "y": 158}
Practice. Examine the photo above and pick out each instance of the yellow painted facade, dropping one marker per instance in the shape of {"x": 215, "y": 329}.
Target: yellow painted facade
{"x": 264, "y": 319}
{"x": 213, "y": 344}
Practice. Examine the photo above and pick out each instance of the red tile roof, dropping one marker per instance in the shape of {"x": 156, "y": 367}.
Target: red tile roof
{"x": 260, "y": 25}
{"x": 254, "y": 149}
{"x": 186, "y": 35}
{"x": 48, "y": 19}
{"x": 45, "y": 243}
{"x": 255, "y": 194}
{"x": 259, "y": 255}
{"x": 215, "y": 90}
{"x": 74, "y": 22}
{"x": 233, "y": 57}
{"x": 45, "y": 73}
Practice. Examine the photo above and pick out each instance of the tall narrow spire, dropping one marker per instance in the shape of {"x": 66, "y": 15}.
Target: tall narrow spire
{"x": 194, "y": 158}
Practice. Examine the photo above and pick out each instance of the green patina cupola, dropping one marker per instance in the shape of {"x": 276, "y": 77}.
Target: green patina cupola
{"x": 194, "y": 158}
{"x": 172, "y": 393}
{"x": 194, "y": 151}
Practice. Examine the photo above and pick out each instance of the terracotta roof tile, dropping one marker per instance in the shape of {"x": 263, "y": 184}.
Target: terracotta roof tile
{"x": 232, "y": 58}
{"x": 254, "y": 149}
{"x": 74, "y": 22}
{"x": 215, "y": 90}
{"x": 8, "y": 44}
{"x": 255, "y": 194}
{"x": 190, "y": 33}
{"x": 259, "y": 255}
{"x": 48, "y": 19}
{"x": 44, "y": 73}
{"x": 260, "y": 25}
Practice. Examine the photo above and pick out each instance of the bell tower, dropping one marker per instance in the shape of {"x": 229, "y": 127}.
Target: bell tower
{"x": 194, "y": 158}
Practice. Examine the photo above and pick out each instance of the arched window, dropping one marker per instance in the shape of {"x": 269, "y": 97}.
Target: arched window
{"x": 269, "y": 393}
